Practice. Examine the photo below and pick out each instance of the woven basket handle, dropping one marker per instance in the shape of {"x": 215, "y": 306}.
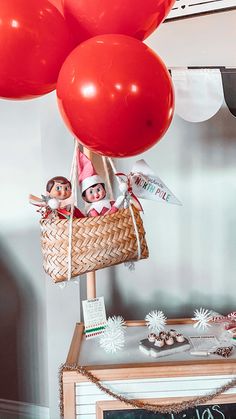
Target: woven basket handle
{"x": 91, "y": 276}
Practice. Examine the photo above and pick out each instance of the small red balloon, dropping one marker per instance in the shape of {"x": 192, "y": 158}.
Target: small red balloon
{"x": 115, "y": 95}
{"x": 34, "y": 42}
{"x": 137, "y": 18}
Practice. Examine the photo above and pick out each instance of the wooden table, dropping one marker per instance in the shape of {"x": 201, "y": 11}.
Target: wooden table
{"x": 172, "y": 378}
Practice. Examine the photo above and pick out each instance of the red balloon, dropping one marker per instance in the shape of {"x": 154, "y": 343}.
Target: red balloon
{"x": 34, "y": 42}
{"x": 115, "y": 95}
{"x": 137, "y": 18}
{"x": 57, "y": 4}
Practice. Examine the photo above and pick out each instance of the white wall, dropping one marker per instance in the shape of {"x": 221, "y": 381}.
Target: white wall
{"x": 205, "y": 40}
{"x": 23, "y": 307}
{"x": 191, "y": 248}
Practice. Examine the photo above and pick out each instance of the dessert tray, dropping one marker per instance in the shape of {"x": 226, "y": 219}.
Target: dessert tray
{"x": 164, "y": 343}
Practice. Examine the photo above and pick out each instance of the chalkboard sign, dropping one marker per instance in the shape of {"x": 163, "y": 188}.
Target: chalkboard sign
{"x": 216, "y": 411}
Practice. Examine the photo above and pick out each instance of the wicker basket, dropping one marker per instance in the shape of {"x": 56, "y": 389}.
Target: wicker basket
{"x": 97, "y": 242}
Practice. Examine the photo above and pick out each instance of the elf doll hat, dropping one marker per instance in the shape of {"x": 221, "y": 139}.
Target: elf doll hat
{"x": 87, "y": 175}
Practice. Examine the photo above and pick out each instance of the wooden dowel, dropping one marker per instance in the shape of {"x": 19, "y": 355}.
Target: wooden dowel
{"x": 91, "y": 276}
{"x": 91, "y": 285}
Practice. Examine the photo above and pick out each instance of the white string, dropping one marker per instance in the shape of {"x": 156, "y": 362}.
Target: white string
{"x": 73, "y": 158}
{"x": 131, "y": 211}
{"x": 108, "y": 179}
{"x": 136, "y": 232}
{"x": 70, "y": 227}
{"x": 114, "y": 170}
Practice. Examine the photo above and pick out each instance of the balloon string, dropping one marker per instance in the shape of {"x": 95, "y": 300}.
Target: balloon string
{"x": 108, "y": 179}
{"x": 131, "y": 211}
{"x": 114, "y": 170}
{"x": 136, "y": 232}
{"x": 73, "y": 189}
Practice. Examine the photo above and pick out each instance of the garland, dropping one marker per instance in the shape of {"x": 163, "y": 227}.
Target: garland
{"x": 155, "y": 408}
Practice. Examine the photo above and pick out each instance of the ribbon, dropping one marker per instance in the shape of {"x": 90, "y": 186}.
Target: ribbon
{"x": 38, "y": 202}
{"x": 44, "y": 208}
{"x": 130, "y": 192}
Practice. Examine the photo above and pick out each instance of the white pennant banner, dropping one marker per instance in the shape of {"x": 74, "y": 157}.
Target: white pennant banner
{"x": 198, "y": 93}
{"x": 145, "y": 184}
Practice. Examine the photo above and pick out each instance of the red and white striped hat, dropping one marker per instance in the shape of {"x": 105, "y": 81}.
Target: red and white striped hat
{"x": 87, "y": 175}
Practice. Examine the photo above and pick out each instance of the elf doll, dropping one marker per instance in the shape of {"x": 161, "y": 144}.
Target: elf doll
{"x": 57, "y": 201}
{"x": 93, "y": 189}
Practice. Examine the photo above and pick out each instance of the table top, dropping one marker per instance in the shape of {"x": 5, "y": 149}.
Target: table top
{"x": 89, "y": 354}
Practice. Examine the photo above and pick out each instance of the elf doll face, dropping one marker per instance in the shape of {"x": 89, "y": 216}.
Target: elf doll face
{"x": 95, "y": 193}
{"x": 60, "y": 191}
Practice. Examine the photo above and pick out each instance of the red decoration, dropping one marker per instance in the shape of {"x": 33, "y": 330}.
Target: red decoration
{"x": 34, "y": 42}
{"x": 115, "y": 95}
{"x": 137, "y": 18}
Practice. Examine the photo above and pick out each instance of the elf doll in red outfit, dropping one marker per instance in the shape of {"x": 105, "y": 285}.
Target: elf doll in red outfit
{"x": 59, "y": 191}
{"x": 93, "y": 189}
{"x": 58, "y": 200}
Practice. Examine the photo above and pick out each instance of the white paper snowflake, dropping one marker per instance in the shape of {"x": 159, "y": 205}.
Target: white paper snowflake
{"x": 156, "y": 321}
{"x": 202, "y": 317}
{"x": 113, "y": 337}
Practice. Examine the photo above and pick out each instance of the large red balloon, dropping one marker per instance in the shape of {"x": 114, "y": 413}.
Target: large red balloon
{"x": 115, "y": 95}
{"x": 34, "y": 42}
{"x": 57, "y": 4}
{"x": 137, "y": 18}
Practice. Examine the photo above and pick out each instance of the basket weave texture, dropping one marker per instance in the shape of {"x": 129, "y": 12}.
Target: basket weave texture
{"x": 97, "y": 242}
